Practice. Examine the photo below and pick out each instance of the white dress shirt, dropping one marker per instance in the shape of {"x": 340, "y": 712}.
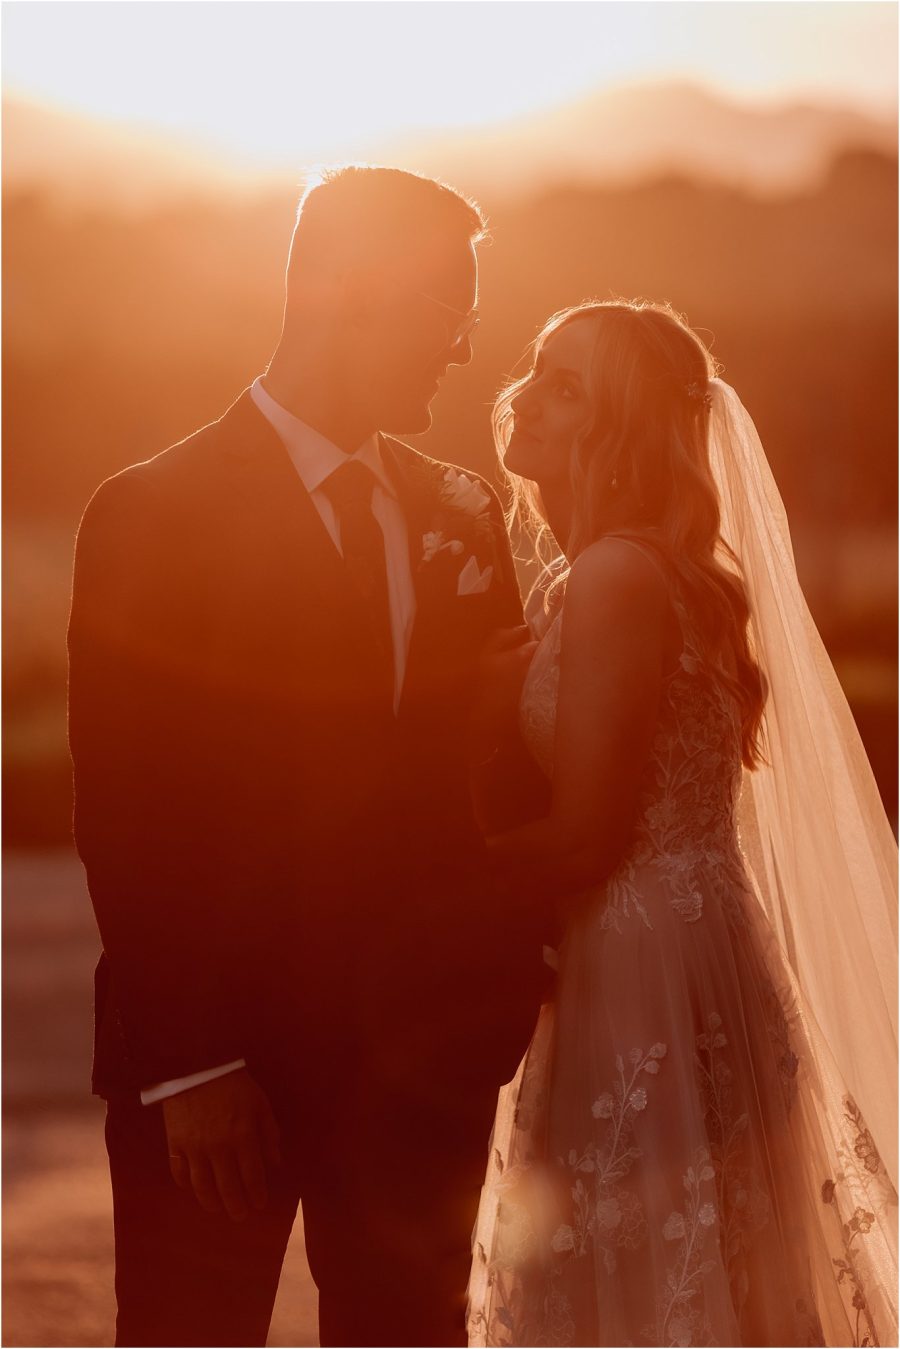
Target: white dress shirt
{"x": 315, "y": 458}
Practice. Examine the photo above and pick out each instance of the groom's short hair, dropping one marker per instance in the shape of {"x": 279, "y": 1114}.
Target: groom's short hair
{"x": 366, "y": 215}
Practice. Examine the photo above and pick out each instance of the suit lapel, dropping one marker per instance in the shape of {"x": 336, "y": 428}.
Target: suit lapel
{"x": 295, "y": 570}
{"x": 448, "y": 629}
{"x": 418, "y": 482}
{"x": 417, "y": 485}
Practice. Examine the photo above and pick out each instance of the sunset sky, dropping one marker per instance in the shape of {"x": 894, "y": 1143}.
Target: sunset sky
{"x": 268, "y": 83}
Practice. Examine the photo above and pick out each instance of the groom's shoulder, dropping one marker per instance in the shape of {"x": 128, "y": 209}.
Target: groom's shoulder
{"x": 407, "y": 454}
{"x": 437, "y": 470}
{"x": 191, "y": 461}
{"x": 176, "y": 477}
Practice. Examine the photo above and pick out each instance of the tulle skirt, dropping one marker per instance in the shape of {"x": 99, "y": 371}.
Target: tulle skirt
{"x": 674, "y": 1162}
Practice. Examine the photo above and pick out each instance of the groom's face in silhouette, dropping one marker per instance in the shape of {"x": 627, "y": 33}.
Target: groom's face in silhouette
{"x": 415, "y": 322}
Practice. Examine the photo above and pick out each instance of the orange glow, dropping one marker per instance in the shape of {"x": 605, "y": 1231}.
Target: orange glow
{"x": 738, "y": 160}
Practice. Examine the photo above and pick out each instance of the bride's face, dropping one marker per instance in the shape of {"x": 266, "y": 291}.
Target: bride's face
{"x": 553, "y": 406}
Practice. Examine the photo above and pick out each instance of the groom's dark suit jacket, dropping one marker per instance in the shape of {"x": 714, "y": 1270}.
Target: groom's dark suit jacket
{"x": 282, "y": 870}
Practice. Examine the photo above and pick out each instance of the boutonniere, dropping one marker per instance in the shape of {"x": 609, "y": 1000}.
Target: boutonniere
{"x": 462, "y": 519}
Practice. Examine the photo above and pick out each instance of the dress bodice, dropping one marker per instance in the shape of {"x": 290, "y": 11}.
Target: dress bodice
{"x": 685, "y": 823}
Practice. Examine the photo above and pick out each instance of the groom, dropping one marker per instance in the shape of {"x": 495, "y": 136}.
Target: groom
{"x": 308, "y": 991}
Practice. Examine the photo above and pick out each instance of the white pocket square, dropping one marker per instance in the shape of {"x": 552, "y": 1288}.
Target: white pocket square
{"x": 472, "y": 581}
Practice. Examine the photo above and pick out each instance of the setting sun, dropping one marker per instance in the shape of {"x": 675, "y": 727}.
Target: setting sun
{"x": 277, "y": 85}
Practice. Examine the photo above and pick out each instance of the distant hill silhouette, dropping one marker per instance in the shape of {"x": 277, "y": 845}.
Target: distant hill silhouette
{"x": 618, "y": 136}
{"x": 77, "y": 159}
{"x": 125, "y": 331}
{"x": 625, "y": 135}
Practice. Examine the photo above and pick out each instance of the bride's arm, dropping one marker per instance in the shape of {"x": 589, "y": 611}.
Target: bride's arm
{"x": 612, "y": 647}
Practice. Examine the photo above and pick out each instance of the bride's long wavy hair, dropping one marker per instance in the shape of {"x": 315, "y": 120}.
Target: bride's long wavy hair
{"x": 641, "y": 465}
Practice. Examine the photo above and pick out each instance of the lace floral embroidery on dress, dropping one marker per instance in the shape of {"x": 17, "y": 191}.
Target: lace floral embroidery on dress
{"x": 862, "y": 1175}
{"x": 603, "y": 1215}
{"x": 743, "y": 1204}
{"x": 605, "y": 1212}
{"x": 537, "y": 706}
{"x": 685, "y": 826}
{"x": 678, "y": 1320}
{"x": 597, "y": 1213}
{"x": 781, "y": 1017}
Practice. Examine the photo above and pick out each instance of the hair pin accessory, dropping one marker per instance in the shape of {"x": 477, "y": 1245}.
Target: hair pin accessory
{"x": 699, "y": 394}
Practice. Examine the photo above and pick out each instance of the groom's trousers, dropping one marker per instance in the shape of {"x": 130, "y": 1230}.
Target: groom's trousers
{"x": 389, "y": 1183}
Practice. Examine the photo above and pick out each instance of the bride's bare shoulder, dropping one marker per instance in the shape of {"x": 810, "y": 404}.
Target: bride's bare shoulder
{"x": 618, "y": 577}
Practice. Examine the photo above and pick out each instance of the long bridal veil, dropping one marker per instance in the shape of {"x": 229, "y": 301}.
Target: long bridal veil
{"x": 823, "y": 857}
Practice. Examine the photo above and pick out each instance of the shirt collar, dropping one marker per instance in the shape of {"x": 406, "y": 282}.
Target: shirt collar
{"x": 314, "y": 456}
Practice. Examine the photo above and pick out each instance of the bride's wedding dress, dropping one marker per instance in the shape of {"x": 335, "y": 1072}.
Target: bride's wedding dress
{"x": 670, "y": 1166}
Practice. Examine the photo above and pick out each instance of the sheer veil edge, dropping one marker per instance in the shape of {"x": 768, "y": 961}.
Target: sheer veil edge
{"x": 812, "y": 824}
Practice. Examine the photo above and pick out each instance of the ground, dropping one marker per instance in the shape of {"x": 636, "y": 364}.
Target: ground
{"x": 57, "y": 1210}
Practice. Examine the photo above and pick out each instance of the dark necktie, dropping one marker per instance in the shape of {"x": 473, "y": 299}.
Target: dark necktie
{"x": 349, "y": 489}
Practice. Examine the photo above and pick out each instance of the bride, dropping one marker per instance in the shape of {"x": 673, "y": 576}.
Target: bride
{"x": 699, "y": 1145}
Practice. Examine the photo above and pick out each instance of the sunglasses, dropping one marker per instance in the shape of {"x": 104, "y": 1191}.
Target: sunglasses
{"x": 466, "y": 323}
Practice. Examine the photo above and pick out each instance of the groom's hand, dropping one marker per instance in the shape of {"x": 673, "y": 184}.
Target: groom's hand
{"x": 221, "y": 1137}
